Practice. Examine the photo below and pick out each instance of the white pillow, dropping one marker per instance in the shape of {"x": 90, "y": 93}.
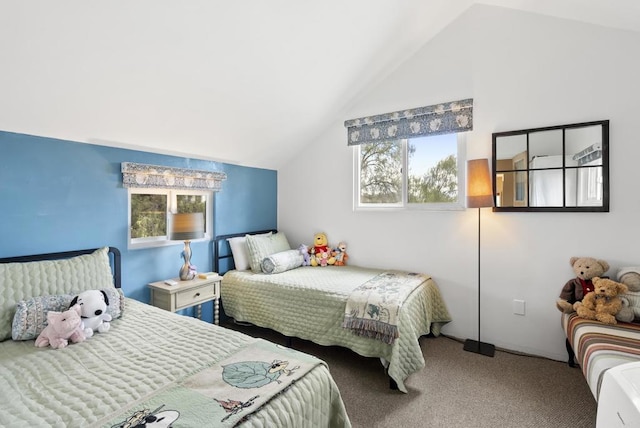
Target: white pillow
{"x": 282, "y": 261}
{"x": 263, "y": 246}
{"x": 240, "y": 251}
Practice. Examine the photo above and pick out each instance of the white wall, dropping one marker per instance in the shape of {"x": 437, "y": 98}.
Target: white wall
{"x": 523, "y": 71}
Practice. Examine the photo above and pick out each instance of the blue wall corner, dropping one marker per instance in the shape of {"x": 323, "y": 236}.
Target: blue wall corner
{"x": 61, "y": 195}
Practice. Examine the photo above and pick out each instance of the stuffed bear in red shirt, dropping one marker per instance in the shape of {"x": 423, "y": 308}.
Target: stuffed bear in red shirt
{"x": 585, "y": 268}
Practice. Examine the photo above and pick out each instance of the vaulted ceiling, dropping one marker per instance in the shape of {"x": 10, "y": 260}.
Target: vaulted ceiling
{"x": 245, "y": 82}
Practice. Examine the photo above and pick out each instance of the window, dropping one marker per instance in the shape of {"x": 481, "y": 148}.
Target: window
{"x": 149, "y": 213}
{"x": 421, "y": 173}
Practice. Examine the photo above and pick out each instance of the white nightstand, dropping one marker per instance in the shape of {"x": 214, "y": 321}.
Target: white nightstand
{"x": 186, "y": 294}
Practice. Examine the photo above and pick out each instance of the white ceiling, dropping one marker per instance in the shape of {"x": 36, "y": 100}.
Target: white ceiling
{"x": 246, "y": 81}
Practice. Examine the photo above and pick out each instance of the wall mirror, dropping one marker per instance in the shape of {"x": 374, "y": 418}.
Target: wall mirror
{"x": 556, "y": 168}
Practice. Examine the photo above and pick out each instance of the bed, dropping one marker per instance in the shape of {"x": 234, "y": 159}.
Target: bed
{"x": 151, "y": 368}
{"x": 310, "y": 303}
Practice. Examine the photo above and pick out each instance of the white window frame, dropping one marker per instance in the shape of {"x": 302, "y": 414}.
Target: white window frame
{"x": 459, "y": 205}
{"x": 172, "y": 207}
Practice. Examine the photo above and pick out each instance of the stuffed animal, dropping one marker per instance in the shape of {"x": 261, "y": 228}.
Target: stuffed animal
{"x": 630, "y": 312}
{"x": 304, "y": 250}
{"x": 585, "y": 268}
{"x": 603, "y": 303}
{"x": 341, "y": 254}
{"x": 320, "y": 246}
{"x": 94, "y": 311}
{"x": 62, "y": 327}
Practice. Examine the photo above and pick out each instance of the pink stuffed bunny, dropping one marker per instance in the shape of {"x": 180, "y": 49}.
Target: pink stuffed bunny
{"x": 62, "y": 327}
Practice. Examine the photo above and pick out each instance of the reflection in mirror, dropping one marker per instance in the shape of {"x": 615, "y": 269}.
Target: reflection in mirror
{"x": 558, "y": 168}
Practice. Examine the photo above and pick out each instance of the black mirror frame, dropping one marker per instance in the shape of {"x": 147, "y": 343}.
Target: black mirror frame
{"x": 605, "y": 169}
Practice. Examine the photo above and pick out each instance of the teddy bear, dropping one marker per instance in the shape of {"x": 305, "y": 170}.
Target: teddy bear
{"x": 585, "y": 268}
{"x": 320, "y": 246}
{"x": 340, "y": 254}
{"x": 62, "y": 327}
{"x": 93, "y": 304}
{"x": 304, "y": 250}
{"x": 603, "y": 303}
{"x": 629, "y": 276}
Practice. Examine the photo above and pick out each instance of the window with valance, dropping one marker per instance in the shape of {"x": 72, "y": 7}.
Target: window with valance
{"x": 156, "y": 191}
{"x": 411, "y": 158}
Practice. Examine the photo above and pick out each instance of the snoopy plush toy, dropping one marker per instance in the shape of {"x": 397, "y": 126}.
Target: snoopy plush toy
{"x": 93, "y": 305}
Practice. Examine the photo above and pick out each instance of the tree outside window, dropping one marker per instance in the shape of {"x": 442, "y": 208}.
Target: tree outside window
{"x": 422, "y": 172}
{"x": 149, "y": 213}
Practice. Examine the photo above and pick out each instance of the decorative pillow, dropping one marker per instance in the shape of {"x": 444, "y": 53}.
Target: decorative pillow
{"x": 21, "y": 281}
{"x": 240, "y": 251}
{"x": 633, "y": 297}
{"x": 262, "y": 246}
{"x": 31, "y": 315}
{"x": 282, "y": 261}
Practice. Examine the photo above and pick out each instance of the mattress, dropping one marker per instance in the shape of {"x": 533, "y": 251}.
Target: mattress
{"x": 599, "y": 347}
{"x": 309, "y": 303}
{"x": 148, "y": 351}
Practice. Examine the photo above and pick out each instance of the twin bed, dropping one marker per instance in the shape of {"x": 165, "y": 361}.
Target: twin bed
{"x": 152, "y": 368}
{"x": 309, "y": 303}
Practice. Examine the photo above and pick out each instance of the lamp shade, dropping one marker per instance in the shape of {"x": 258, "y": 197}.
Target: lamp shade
{"x": 479, "y": 189}
{"x": 187, "y": 226}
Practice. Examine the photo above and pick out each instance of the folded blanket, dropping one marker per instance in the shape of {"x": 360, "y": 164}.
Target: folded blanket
{"x": 224, "y": 394}
{"x": 373, "y": 308}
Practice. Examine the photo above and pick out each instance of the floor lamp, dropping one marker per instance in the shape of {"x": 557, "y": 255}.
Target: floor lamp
{"x": 479, "y": 195}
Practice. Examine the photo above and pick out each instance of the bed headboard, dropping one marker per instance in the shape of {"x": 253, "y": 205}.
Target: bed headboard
{"x": 114, "y": 256}
{"x": 221, "y": 249}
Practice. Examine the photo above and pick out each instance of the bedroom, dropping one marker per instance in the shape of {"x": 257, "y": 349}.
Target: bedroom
{"x": 522, "y": 70}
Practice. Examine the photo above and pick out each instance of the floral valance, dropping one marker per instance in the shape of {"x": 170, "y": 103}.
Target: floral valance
{"x": 445, "y": 118}
{"x": 166, "y": 177}
{"x": 591, "y": 153}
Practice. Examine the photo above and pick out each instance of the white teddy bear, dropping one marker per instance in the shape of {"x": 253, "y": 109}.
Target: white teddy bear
{"x": 630, "y": 312}
{"x": 93, "y": 305}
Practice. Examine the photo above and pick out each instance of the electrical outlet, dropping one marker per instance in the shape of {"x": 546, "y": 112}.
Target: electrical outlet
{"x": 518, "y": 307}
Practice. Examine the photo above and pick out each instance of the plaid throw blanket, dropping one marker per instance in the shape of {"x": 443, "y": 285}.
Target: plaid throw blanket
{"x": 373, "y": 308}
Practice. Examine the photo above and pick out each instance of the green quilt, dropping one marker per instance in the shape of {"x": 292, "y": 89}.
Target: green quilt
{"x": 147, "y": 366}
{"x": 309, "y": 303}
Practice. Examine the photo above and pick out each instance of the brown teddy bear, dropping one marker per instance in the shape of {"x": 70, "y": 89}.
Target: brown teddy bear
{"x": 630, "y": 276}
{"x": 585, "y": 268}
{"x": 603, "y": 303}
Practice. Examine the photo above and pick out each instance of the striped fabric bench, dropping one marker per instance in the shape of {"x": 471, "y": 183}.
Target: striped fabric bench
{"x": 598, "y": 347}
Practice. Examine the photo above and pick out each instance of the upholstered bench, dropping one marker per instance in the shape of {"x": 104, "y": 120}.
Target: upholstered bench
{"x": 598, "y": 347}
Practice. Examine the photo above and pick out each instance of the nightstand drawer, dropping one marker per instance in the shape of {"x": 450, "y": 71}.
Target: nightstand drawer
{"x": 184, "y": 294}
{"x": 194, "y": 295}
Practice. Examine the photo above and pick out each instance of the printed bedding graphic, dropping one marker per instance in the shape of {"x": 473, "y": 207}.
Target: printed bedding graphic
{"x": 229, "y": 391}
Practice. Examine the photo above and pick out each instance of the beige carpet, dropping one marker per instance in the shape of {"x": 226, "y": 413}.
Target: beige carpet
{"x": 456, "y": 388}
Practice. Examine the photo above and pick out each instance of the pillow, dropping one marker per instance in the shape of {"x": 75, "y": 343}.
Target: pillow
{"x": 31, "y": 314}
{"x": 240, "y": 252}
{"x": 282, "y": 261}
{"x": 262, "y": 246}
{"x": 21, "y": 281}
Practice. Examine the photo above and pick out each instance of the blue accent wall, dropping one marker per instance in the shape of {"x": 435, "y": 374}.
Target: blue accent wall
{"x": 58, "y": 195}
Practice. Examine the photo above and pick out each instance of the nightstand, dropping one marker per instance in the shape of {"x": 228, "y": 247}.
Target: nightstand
{"x": 186, "y": 294}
